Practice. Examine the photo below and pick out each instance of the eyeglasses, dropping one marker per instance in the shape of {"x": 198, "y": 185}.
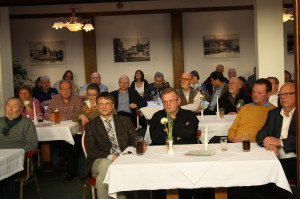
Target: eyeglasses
{"x": 170, "y": 101}
{"x": 285, "y": 94}
{"x": 124, "y": 82}
{"x": 91, "y": 95}
{"x": 184, "y": 79}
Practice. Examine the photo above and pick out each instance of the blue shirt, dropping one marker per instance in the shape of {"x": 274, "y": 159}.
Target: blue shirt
{"x": 268, "y": 104}
{"x": 42, "y": 96}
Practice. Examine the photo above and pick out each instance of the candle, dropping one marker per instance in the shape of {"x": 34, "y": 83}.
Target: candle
{"x": 205, "y": 138}
{"x": 34, "y": 113}
{"x": 218, "y": 105}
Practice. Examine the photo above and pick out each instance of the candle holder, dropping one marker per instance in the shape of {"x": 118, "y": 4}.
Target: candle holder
{"x": 206, "y": 146}
{"x": 218, "y": 116}
{"x": 202, "y": 114}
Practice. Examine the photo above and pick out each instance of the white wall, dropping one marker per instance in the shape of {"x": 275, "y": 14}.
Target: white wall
{"x": 25, "y": 30}
{"x": 195, "y": 25}
{"x": 156, "y": 27}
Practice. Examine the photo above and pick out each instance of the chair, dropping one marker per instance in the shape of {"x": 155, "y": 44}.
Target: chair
{"x": 138, "y": 113}
{"x": 29, "y": 175}
{"x": 89, "y": 180}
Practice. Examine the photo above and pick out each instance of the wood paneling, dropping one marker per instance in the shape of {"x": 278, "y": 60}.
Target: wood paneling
{"x": 177, "y": 45}
{"x": 90, "y": 55}
{"x": 297, "y": 76}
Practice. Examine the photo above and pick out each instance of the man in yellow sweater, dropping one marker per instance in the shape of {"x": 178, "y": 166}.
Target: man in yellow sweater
{"x": 252, "y": 116}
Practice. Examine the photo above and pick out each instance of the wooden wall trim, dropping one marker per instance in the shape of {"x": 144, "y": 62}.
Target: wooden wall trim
{"x": 297, "y": 83}
{"x": 134, "y": 12}
{"x": 177, "y": 46}
{"x": 90, "y": 54}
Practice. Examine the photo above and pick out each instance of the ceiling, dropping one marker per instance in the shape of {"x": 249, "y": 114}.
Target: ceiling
{"x": 55, "y": 2}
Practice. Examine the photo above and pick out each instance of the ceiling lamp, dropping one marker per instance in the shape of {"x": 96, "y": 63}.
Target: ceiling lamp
{"x": 72, "y": 24}
{"x": 287, "y": 16}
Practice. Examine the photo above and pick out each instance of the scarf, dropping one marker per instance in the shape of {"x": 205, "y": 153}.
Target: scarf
{"x": 10, "y": 124}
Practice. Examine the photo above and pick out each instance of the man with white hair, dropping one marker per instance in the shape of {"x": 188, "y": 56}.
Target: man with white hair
{"x": 95, "y": 78}
{"x": 230, "y": 99}
{"x": 190, "y": 98}
{"x": 45, "y": 93}
{"x": 127, "y": 101}
{"x": 155, "y": 89}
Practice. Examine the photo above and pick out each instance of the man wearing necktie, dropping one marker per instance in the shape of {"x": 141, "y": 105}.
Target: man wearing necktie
{"x": 106, "y": 137}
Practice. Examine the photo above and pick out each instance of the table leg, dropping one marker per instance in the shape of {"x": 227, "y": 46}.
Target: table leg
{"x": 46, "y": 156}
{"x": 172, "y": 193}
{"x": 220, "y": 193}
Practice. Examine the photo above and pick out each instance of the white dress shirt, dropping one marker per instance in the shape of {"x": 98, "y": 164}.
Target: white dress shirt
{"x": 286, "y": 121}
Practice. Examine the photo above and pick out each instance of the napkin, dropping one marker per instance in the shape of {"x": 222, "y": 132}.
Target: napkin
{"x": 201, "y": 153}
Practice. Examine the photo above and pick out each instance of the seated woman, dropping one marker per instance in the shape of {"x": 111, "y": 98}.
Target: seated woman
{"x": 196, "y": 83}
{"x": 139, "y": 83}
{"x": 68, "y": 75}
{"x": 24, "y": 93}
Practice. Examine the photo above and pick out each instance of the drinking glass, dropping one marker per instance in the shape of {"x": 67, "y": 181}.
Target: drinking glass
{"x": 246, "y": 142}
{"x": 222, "y": 112}
{"x": 140, "y": 145}
{"x": 223, "y": 141}
{"x": 40, "y": 117}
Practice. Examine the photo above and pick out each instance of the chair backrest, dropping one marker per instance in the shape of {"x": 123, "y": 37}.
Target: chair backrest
{"x": 83, "y": 143}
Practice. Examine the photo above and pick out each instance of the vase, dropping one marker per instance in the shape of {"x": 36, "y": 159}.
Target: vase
{"x": 171, "y": 150}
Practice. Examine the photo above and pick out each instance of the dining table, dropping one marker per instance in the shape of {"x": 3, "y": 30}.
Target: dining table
{"x": 215, "y": 126}
{"x": 151, "y": 108}
{"x": 221, "y": 169}
{"x": 11, "y": 162}
{"x": 48, "y": 131}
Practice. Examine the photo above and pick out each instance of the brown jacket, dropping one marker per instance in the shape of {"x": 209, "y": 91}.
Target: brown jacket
{"x": 97, "y": 142}
{"x": 193, "y": 93}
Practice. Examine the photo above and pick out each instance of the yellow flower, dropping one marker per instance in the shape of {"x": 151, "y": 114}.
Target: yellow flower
{"x": 26, "y": 102}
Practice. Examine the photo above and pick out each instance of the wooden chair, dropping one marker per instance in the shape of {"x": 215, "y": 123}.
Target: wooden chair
{"x": 29, "y": 175}
{"x": 89, "y": 180}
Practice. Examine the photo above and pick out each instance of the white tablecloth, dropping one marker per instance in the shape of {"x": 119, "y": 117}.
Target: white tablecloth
{"x": 63, "y": 131}
{"x": 156, "y": 170}
{"x": 215, "y": 127}
{"x": 11, "y": 162}
{"x": 151, "y": 109}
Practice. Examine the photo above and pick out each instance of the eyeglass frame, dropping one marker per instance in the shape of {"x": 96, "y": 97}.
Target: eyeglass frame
{"x": 285, "y": 94}
{"x": 170, "y": 101}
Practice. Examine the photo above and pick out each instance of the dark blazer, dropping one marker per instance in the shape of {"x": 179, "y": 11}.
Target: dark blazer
{"x": 134, "y": 97}
{"x": 273, "y": 127}
{"x": 224, "y": 101}
{"x": 132, "y": 85}
{"x": 98, "y": 144}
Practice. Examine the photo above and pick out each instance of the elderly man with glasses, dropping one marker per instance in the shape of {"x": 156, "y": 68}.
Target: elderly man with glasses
{"x": 190, "y": 98}
{"x": 279, "y": 132}
{"x": 127, "y": 100}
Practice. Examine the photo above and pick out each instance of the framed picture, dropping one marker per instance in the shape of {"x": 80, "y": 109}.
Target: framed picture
{"x": 47, "y": 52}
{"x": 131, "y": 50}
{"x": 290, "y": 44}
{"x": 221, "y": 46}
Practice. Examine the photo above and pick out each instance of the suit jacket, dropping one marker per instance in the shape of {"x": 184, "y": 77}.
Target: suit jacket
{"x": 273, "y": 127}
{"x": 98, "y": 144}
{"x": 224, "y": 90}
{"x": 224, "y": 101}
{"x": 134, "y": 97}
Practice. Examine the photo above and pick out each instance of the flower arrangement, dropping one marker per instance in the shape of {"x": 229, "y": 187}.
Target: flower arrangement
{"x": 169, "y": 121}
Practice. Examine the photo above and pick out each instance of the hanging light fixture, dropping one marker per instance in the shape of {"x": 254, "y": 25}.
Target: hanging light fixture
{"x": 287, "y": 16}
{"x": 72, "y": 24}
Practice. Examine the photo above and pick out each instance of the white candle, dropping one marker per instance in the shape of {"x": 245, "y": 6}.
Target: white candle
{"x": 217, "y": 104}
{"x": 205, "y": 138}
{"x": 34, "y": 113}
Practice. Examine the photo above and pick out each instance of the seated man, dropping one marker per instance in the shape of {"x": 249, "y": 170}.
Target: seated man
{"x": 190, "y": 98}
{"x": 230, "y": 99}
{"x": 185, "y": 124}
{"x": 208, "y": 82}
{"x": 67, "y": 104}
{"x": 220, "y": 87}
{"x": 45, "y": 93}
{"x": 279, "y": 132}
{"x": 274, "y": 99}
{"x": 127, "y": 101}
{"x": 95, "y": 78}
{"x": 155, "y": 89}
{"x": 17, "y": 132}
{"x": 231, "y": 74}
{"x": 252, "y": 116}
{"x": 185, "y": 127}
{"x": 106, "y": 137}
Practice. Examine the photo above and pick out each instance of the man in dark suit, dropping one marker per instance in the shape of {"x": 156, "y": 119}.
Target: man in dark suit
{"x": 106, "y": 137}
{"x": 279, "y": 132}
{"x": 127, "y": 101}
{"x": 220, "y": 87}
